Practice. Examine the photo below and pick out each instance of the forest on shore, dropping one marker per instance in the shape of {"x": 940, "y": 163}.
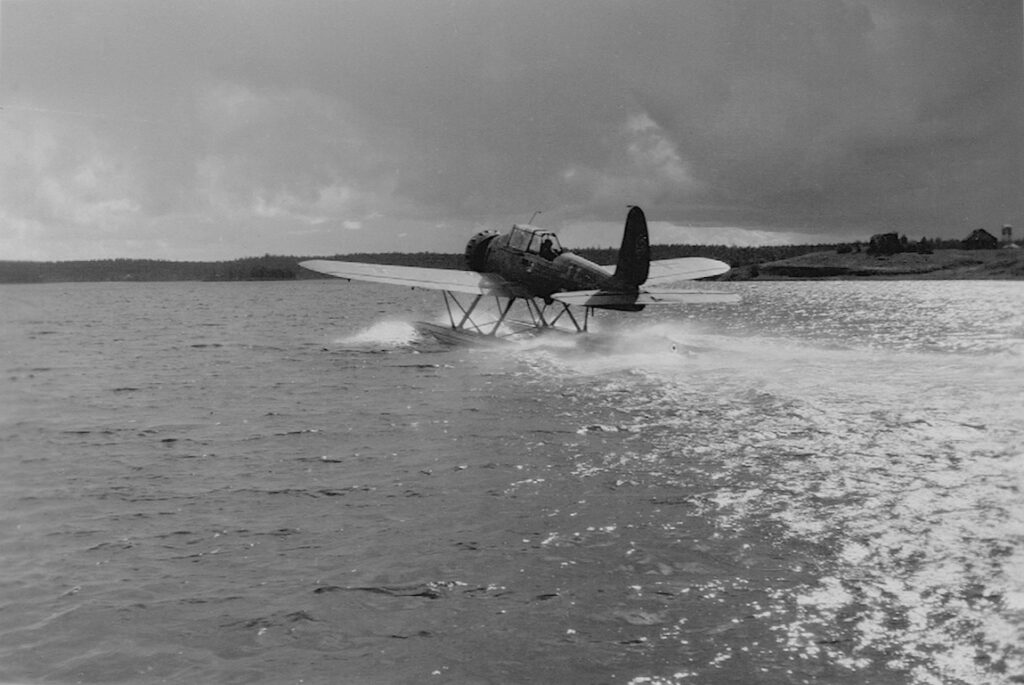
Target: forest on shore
{"x": 278, "y": 267}
{"x": 819, "y": 260}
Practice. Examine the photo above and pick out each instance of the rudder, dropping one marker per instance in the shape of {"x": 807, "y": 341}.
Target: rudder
{"x": 635, "y": 253}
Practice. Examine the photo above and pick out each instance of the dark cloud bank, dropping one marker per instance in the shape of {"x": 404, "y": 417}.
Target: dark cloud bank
{"x": 261, "y": 126}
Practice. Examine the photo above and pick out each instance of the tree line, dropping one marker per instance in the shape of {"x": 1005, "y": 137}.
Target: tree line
{"x": 268, "y": 267}
{"x": 279, "y": 267}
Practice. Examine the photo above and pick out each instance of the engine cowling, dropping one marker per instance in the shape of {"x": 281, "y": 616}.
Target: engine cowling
{"x": 476, "y": 250}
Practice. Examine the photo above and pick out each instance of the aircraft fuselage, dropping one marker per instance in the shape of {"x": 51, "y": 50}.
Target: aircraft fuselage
{"x": 531, "y": 260}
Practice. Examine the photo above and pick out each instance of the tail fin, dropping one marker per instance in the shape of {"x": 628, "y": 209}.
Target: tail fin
{"x": 635, "y": 253}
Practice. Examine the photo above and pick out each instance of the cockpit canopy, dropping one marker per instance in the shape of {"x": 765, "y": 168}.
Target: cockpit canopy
{"x": 536, "y": 240}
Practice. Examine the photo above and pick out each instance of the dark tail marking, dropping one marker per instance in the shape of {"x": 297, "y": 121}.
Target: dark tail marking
{"x": 635, "y": 253}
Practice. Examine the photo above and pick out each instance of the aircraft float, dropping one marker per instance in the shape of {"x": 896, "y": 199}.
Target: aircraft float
{"x": 528, "y": 264}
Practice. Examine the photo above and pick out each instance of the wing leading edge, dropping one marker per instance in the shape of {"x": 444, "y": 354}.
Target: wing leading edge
{"x": 410, "y": 276}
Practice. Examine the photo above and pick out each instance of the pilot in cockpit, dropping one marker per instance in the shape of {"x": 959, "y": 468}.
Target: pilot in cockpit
{"x": 547, "y": 249}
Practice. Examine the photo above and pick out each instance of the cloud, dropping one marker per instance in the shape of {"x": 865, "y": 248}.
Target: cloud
{"x": 649, "y": 170}
{"x": 259, "y": 119}
{"x": 836, "y": 113}
{"x": 60, "y": 183}
{"x": 331, "y": 176}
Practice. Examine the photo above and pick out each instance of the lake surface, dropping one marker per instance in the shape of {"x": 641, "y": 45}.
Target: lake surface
{"x": 282, "y": 482}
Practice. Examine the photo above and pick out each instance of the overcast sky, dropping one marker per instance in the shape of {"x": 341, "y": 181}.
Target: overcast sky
{"x": 217, "y": 129}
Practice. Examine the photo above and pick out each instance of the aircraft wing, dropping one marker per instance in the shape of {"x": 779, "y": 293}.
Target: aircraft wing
{"x": 684, "y": 269}
{"x": 606, "y": 298}
{"x": 451, "y": 280}
{"x": 681, "y": 269}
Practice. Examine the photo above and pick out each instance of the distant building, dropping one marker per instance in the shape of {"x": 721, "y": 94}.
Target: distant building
{"x": 886, "y": 243}
{"x": 980, "y": 239}
{"x": 1008, "y": 236}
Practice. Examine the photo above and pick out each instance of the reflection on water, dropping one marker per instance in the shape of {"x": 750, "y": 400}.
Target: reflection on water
{"x": 231, "y": 482}
{"x": 906, "y": 467}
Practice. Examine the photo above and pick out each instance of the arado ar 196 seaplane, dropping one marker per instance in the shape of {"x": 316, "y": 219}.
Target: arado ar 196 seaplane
{"x": 527, "y": 264}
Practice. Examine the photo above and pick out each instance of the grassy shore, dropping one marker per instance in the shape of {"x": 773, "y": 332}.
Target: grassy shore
{"x": 939, "y": 265}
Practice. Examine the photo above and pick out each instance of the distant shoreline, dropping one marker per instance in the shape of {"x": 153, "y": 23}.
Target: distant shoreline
{"x": 770, "y": 263}
{"x": 997, "y": 264}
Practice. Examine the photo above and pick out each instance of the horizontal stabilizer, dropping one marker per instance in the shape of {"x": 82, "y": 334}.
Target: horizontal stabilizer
{"x": 684, "y": 269}
{"x": 606, "y": 298}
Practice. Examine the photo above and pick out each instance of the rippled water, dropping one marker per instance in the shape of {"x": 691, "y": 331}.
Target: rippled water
{"x": 282, "y": 482}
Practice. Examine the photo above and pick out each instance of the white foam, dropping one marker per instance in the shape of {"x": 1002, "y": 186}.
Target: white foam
{"x": 388, "y": 333}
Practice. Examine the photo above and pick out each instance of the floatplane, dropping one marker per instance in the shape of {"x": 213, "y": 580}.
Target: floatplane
{"x": 528, "y": 265}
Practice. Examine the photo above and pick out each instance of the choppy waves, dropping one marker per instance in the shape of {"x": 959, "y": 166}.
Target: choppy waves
{"x": 904, "y": 469}
{"x": 233, "y": 482}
